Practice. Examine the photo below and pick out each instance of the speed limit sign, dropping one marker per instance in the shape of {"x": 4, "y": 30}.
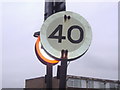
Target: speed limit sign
{"x": 66, "y": 31}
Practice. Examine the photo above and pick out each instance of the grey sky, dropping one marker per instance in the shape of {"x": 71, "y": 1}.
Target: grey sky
{"x": 21, "y": 20}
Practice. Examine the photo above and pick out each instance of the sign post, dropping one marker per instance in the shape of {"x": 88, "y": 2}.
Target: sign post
{"x": 63, "y": 74}
{"x": 49, "y": 76}
{"x": 51, "y": 8}
{"x": 49, "y": 66}
{"x": 63, "y": 70}
{"x": 65, "y": 36}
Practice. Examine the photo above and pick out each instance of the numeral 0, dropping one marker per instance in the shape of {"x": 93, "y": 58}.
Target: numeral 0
{"x": 60, "y": 37}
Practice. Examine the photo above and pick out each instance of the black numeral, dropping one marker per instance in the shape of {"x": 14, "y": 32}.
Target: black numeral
{"x": 69, "y": 34}
{"x": 60, "y": 37}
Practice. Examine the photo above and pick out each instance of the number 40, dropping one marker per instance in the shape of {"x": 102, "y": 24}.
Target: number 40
{"x": 60, "y": 37}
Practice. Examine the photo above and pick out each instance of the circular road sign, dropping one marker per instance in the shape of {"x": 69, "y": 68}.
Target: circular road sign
{"x": 66, "y": 31}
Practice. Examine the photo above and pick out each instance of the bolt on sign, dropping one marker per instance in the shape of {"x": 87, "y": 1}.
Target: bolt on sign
{"x": 66, "y": 31}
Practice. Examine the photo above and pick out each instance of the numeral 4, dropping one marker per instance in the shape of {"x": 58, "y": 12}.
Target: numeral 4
{"x": 59, "y": 37}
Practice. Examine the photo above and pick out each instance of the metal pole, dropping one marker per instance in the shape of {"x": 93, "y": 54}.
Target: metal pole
{"x": 48, "y": 8}
{"x": 49, "y": 76}
{"x": 63, "y": 73}
{"x": 63, "y": 70}
{"x": 52, "y": 7}
{"x": 48, "y": 12}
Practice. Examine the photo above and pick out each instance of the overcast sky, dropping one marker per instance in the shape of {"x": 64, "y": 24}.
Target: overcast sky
{"x": 21, "y": 20}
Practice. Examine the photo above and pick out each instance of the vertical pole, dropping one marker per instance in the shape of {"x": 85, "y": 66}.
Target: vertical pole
{"x": 52, "y": 7}
{"x": 48, "y": 12}
{"x": 59, "y": 6}
{"x": 63, "y": 70}
{"x": 63, "y": 73}
{"x": 48, "y": 8}
{"x": 49, "y": 76}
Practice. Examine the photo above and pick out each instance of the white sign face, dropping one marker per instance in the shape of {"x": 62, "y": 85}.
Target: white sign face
{"x": 66, "y": 31}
